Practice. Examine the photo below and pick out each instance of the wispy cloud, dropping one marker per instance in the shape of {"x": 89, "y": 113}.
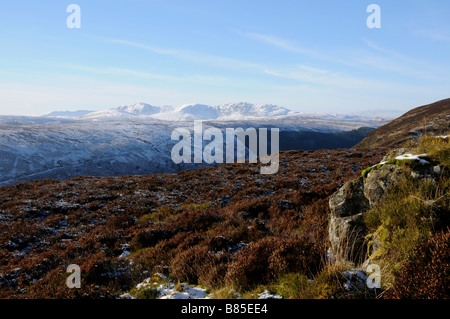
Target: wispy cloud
{"x": 192, "y": 56}
{"x": 307, "y": 75}
{"x": 300, "y": 74}
{"x": 376, "y": 58}
{"x": 381, "y": 58}
{"x": 437, "y": 35}
{"x": 278, "y": 42}
{"x": 115, "y": 71}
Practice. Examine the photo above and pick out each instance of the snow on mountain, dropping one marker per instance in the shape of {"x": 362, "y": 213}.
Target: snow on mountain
{"x": 133, "y": 139}
{"x": 67, "y": 114}
{"x": 199, "y": 110}
{"x": 237, "y": 111}
{"x": 190, "y": 112}
{"x": 125, "y": 111}
{"x": 187, "y": 112}
{"x": 139, "y": 109}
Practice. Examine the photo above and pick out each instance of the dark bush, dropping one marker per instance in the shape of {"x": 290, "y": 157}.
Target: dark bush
{"x": 149, "y": 237}
{"x": 187, "y": 265}
{"x": 295, "y": 255}
{"x": 427, "y": 274}
{"x": 251, "y": 265}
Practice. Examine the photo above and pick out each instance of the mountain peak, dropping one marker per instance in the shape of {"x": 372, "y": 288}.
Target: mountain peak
{"x": 138, "y": 109}
{"x": 189, "y": 112}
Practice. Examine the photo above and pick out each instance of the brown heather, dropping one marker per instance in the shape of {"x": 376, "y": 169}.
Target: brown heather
{"x": 427, "y": 274}
{"x": 218, "y": 226}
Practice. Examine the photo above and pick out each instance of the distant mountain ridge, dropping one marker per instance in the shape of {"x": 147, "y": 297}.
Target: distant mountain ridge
{"x": 65, "y": 114}
{"x": 186, "y": 112}
{"x": 431, "y": 118}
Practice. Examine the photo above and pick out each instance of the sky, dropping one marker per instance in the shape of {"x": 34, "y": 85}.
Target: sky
{"x": 307, "y": 56}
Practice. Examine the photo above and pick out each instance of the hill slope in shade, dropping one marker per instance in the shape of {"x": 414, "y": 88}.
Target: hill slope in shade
{"x": 432, "y": 118}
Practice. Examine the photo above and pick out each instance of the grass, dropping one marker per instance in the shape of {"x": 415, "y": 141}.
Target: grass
{"x": 225, "y": 293}
{"x": 409, "y": 213}
{"x": 166, "y": 213}
{"x": 400, "y": 222}
{"x": 436, "y": 147}
{"x": 149, "y": 290}
{"x": 327, "y": 284}
{"x": 145, "y": 293}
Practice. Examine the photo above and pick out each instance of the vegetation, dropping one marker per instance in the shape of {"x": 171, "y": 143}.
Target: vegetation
{"x": 251, "y": 234}
{"x": 412, "y": 213}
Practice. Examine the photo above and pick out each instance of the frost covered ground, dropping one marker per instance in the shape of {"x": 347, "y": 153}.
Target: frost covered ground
{"x": 129, "y": 141}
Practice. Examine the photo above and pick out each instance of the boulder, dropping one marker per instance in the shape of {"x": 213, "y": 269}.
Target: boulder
{"x": 349, "y": 200}
{"x": 379, "y": 181}
{"x": 347, "y": 238}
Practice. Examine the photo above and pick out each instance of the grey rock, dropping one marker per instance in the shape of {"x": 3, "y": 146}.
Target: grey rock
{"x": 379, "y": 181}
{"x": 349, "y": 200}
{"x": 347, "y": 238}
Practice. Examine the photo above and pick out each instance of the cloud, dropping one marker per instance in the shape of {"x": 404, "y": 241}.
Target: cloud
{"x": 437, "y": 35}
{"x": 302, "y": 74}
{"x": 278, "y": 42}
{"x": 121, "y": 72}
{"x": 395, "y": 62}
{"x": 316, "y": 77}
{"x": 192, "y": 56}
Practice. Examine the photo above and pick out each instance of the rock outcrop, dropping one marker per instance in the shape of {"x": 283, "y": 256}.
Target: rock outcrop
{"x": 347, "y": 230}
{"x": 379, "y": 181}
{"x": 346, "y": 221}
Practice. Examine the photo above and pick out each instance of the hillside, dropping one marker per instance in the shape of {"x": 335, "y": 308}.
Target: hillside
{"x": 134, "y": 144}
{"x": 212, "y": 226}
{"x": 227, "y": 231}
{"x": 432, "y": 118}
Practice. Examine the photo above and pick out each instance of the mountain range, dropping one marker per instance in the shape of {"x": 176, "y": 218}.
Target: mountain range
{"x": 186, "y": 112}
{"x": 136, "y": 139}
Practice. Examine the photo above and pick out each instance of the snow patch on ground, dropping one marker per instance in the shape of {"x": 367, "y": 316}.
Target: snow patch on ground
{"x": 167, "y": 289}
{"x": 268, "y": 295}
{"x": 413, "y": 157}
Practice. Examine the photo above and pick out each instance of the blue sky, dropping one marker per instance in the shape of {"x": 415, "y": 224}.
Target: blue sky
{"x": 308, "y": 56}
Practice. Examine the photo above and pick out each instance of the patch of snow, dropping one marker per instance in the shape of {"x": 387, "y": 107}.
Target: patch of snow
{"x": 124, "y": 254}
{"x": 356, "y": 279}
{"x": 413, "y": 157}
{"x": 268, "y": 295}
{"x": 166, "y": 290}
{"x": 187, "y": 293}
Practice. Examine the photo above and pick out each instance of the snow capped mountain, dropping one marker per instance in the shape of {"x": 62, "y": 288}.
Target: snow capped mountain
{"x": 139, "y": 109}
{"x": 189, "y": 112}
{"x": 199, "y": 110}
{"x": 125, "y": 111}
{"x": 236, "y": 111}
